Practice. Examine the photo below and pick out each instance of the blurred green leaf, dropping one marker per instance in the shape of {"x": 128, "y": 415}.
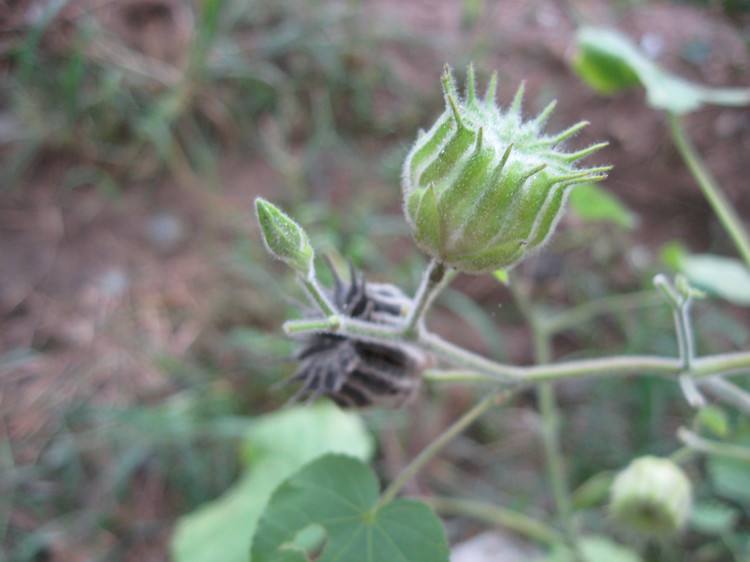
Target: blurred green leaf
{"x": 713, "y": 517}
{"x": 730, "y": 478}
{"x": 714, "y": 419}
{"x": 672, "y": 253}
{"x": 592, "y": 203}
{"x": 276, "y": 447}
{"x": 593, "y": 491}
{"x": 608, "y": 61}
{"x": 595, "y": 549}
{"x": 340, "y": 494}
{"x": 716, "y": 275}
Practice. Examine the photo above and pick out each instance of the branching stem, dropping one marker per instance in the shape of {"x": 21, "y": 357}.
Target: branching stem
{"x": 723, "y": 209}
{"x": 316, "y": 293}
{"x": 550, "y": 413}
{"x": 497, "y": 516}
{"x": 434, "y": 279}
{"x": 706, "y": 446}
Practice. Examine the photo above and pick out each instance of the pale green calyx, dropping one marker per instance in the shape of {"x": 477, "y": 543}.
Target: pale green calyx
{"x": 483, "y": 187}
{"x": 284, "y": 238}
{"x": 651, "y": 496}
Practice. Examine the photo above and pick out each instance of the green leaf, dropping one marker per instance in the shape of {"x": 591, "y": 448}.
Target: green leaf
{"x": 714, "y": 419}
{"x": 593, "y": 491}
{"x": 608, "y": 61}
{"x": 276, "y": 447}
{"x": 672, "y": 254}
{"x": 340, "y": 494}
{"x": 592, "y": 203}
{"x": 713, "y": 517}
{"x": 716, "y": 275}
{"x": 730, "y": 478}
{"x": 595, "y": 549}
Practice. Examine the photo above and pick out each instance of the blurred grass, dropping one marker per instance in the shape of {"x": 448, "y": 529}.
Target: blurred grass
{"x": 74, "y": 87}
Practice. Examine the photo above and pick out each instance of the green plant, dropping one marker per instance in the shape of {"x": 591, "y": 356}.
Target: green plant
{"x": 340, "y": 496}
{"x": 609, "y": 62}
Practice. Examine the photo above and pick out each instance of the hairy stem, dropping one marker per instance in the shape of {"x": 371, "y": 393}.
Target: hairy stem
{"x": 728, "y": 393}
{"x": 433, "y": 281}
{"x": 496, "y": 515}
{"x": 721, "y": 206}
{"x": 317, "y": 294}
{"x": 703, "y": 445}
{"x": 435, "y": 446}
{"x": 680, "y": 304}
{"x": 616, "y": 365}
{"x": 583, "y": 313}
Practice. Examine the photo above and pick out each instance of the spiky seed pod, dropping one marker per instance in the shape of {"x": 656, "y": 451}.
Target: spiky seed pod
{"x": 482, "y": 188}
{"x": 651, "y": 496}
{"x": 356, "y": 373}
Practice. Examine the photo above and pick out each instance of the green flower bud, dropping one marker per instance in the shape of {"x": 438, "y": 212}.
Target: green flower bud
{"x": 284, "y": 238}
{"x": 483, "y": 187}
{"x": 651, "y": 496}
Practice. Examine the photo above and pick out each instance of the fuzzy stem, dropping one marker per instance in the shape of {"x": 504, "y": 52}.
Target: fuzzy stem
{"x": 345, "y": 325}
{"x": 721, "y": 206}
{"x": 316, "y": 293}
{"x": 434, "y": 279}
{"x": 435, "y": 446}
{"x": 680, "y": 304}
{"x": 703, "y": 445}
{"x": 457, "y": 355}
{"x": 616, "y": 365}
{"x": 294, "y": 327}
{"x": 496, "y": 515}
{"x": 728, "y": 393}
{"x": 585, "y": 312}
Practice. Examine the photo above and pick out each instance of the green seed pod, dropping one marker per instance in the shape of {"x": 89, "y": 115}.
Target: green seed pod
{"x": 482, "y": 188}
{"x": 651, "y": 496}
{"x": 284, "y": 238}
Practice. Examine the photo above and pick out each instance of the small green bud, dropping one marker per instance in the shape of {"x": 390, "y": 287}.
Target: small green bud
{"x": 483, "y": 187}
{"x": 651, "y": 496}
{"x": 284, "y": 238}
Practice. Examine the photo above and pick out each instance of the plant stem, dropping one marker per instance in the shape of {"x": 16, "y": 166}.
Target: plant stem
{"x": 293, "y": 327}
{"x": 496, "y": 515}
{"x": 616, "y": 365}
{"x": 703, "y": 445}
{"x": 721, "y": 206}
{"x": 433, "y": 281}
{"x": 583, "y": 313}
{"x": 478, "y": 368}
{"x": 346, "y": 326}
{"x": 316, "y": 293}
{"x": 459, "y": 356}
{"x": 550, "y": 413}
{"x": 728, "y": 393}
{"x": 680, "y": 304}
{"x": 435, "y": 446}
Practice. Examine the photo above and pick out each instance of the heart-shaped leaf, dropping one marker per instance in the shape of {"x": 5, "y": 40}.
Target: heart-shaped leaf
{"x": 276, "y": 446}
{"x": 608, "y": 61}
{"x": 340, "y": 494}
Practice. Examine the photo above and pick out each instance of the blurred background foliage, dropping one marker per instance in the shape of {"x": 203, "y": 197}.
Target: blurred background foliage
{"x": 139, "y": 346}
